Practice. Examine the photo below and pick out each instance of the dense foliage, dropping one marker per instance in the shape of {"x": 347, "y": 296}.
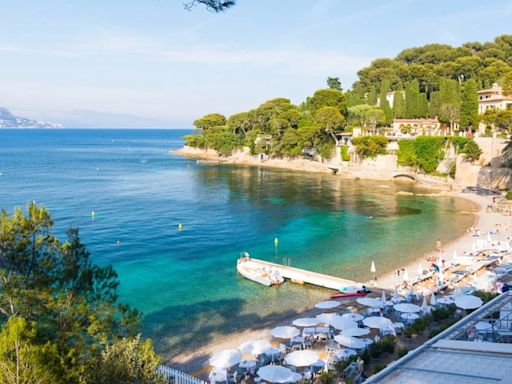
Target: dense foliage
{"x": 59, "y": 313}
{"x": 434, "y": 80}
{"x": 370, "y": 146}
{"x": 426, "y": 152}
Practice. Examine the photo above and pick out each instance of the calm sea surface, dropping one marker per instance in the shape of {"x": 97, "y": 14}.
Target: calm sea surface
{"x": 185, "y": 282}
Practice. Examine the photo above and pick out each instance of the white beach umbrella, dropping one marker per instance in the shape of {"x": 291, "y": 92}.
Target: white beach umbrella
{"x": 468, "y": 302}
{"x": 489, "y": 239}
{"x": 433, "y": 300}
{"x": 226, "y": 359}
{"x": 383, "y": 297}
{"x": 473, "y": 247}
{"x": 377, "y": 322}
{"x": 420, "y": 269}
{"x": 327, "y": 318}
{"x": 328, "y": 304}
{"x": 370, "y": 302}
{"x": 303, "y": 358}
{"x": 306, "y": 322}
{"x": 454, "y": 254}
{"x": 284, "y": 332}
{"x": 406, "y": 307}
{"x": 349, "y": 342}
{"x": 353, "y": 316}
{"x": 372, "y": 268}
{"x": 276, "y": 374}
{"x": 354, "y": 332}
{"x": 342, "y": 323}
{"x": 255, "y": 347}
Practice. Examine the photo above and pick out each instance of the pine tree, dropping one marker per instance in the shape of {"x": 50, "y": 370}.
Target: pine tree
{"x": 412, "y": 96}
{"x": 372, "y": 96}
{"x": 384, "y": 103}
{"x": 469, "y": 105}
{"x": 399, "y": 104}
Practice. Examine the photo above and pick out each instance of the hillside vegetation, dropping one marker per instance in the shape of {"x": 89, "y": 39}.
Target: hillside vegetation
{"x": 435, "y": 80}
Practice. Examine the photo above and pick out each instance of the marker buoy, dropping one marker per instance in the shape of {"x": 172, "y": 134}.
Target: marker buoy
{"x": 276, "y": 242}
{"x": 180, "y": 227}
{"x": 118, "y": 242}
{"x": 93, "y": 214}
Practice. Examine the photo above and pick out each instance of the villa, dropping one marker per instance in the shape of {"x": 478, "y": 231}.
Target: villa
{"x": 493, "y": 98}
{"x": 415, "y": 127}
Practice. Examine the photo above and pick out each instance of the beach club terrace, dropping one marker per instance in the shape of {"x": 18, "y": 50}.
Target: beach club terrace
{"x": 477, "y": 349}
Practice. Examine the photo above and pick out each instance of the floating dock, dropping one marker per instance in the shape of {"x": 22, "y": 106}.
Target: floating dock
{"x": 301, "y": 276}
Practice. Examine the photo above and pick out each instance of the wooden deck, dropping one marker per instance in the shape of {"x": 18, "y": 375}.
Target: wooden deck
{"x": 302, "y": 276}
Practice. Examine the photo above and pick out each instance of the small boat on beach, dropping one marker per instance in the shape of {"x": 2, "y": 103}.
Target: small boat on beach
{"x": 264, "y": 276}
{"x": 350, "y": 294}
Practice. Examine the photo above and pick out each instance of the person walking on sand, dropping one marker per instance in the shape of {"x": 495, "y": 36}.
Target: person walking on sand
{"x": 439, "y": 245}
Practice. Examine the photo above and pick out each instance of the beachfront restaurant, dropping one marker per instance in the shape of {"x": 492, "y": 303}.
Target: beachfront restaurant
{"x": 477, "y": 349}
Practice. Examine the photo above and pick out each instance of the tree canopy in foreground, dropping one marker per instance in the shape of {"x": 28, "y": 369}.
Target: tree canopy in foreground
{"x": 60, "y": 321}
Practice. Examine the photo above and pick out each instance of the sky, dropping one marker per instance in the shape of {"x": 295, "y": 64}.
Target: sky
{"x": 151, "y": 63}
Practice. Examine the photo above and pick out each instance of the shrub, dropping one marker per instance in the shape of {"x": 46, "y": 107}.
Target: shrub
{"x": 485, "y": 296}
{"x": 370, "y": 146}
{"x": 402, "y": 352}
{"x": 326, "y": 378}
{"x": 344, "y": 154}
{"x": 375, "y": 350}
{"x": 472, "y": 151}
{"x": 437, "y": 331}
{"x": 388, "y": 344}
{"x": 196, "y": 141}
{"x": 509, "y": 195}
{"x": 407, "y": 153}
{"x": 453, "y": 170}
{"x": 407, "y": 332}
{"x": 378, "y": 367}
{"x": 425, "y": 152}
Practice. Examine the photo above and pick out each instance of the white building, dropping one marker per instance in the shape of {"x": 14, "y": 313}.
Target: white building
{"x": 493, "y": 98}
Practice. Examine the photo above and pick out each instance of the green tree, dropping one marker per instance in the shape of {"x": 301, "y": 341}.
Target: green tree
{"x": 330, "y": 120}
{"x": 52, "y": 284}
{"x": 412, "y": 100}
{"x": 126, "y": 361}
{"x": 371, "y": 98}
{"x": 422, "y": 105}
{"x": 334, "y": 83}
{"x": 507, "y": 84}
{"x": 209, "y": 121}
{"x": 450, "y": 102}
{"x": 434, "y": 106}
{"x": 370, "y": 146}
{"x": 22, "y": 360}
{"x": 384, "y": 103}
{"x": 213, "y": 5}
{"x": 469, "y": 106}
{"x": 472, "y": 151}
{"x": 327, "y": 98}
{"x": 399, "y": 105}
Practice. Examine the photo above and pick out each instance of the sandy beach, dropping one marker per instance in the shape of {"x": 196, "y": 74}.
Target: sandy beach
{"x": 196, "y": 362}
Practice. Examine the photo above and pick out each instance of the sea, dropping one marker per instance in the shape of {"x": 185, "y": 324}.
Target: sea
{"x": 185, "y": 281}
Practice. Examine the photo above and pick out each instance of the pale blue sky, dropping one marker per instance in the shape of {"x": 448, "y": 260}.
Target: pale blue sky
{"x": 154, "y": 59}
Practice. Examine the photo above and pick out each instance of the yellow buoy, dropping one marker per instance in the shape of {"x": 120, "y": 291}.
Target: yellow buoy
{"x": 180, "y": 227}
{"x": 276, "y": 242}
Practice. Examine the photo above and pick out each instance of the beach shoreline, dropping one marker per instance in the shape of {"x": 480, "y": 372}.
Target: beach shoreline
{"x": 196, "y": 362}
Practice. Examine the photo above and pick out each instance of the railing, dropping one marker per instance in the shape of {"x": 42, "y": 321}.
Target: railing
{"x": 178, "y": 377}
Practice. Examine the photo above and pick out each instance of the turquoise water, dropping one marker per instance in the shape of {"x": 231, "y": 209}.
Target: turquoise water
{"x": 185, "y": 282}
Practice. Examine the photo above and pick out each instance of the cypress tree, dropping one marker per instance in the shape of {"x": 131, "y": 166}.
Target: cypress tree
{"x": 399, "y": 104}
{"x": 384, "y": 103}
{"x": 469, "y": 105}
{"x": 449, "y": 95}
{"x": 423, "y": 105}
{"x": 412, "y": 96}
{"x": 434, "y": 106}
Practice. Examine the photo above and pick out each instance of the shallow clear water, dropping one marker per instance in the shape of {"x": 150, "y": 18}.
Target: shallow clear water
{"x": 185, "y": 282}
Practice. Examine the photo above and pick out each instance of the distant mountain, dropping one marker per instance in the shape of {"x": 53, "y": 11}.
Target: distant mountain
{"x": 83, "y": 118}
{"x": 8, "y": 120}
